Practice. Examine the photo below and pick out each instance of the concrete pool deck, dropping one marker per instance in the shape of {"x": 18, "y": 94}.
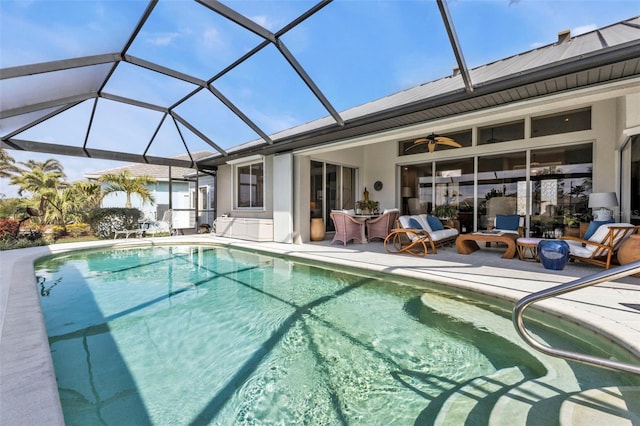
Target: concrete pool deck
{"x": 29, "y": 395}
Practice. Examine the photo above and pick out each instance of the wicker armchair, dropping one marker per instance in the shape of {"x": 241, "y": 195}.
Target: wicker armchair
{"x": 347, "y": 228}
{"x": 380, "y": 227}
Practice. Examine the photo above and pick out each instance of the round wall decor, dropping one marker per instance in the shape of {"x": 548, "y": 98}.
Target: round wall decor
{"x": 377, "y": 185}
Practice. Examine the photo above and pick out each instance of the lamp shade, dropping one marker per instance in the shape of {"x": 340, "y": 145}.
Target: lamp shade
{"x": 407, "y": 192}
{"x": 603, "y": 199}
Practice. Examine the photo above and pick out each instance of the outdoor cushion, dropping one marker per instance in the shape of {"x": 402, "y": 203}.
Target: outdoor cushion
{"x": 443, "y": 233}
{"x": 578, "y": 249}
{"x": 414, "y": 223}
{"x": 422, "y": 218}
{"x": 593, "y": 227}
{"x": 435, "y": 223}
{"x": 603, "y": 230}
{"x": 509, "y": 222}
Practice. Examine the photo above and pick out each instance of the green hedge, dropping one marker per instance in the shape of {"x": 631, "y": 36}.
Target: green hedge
{"x": 104, "y": 222}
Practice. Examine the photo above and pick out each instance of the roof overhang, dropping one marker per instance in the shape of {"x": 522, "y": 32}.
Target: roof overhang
{"x": 601, "y": 67}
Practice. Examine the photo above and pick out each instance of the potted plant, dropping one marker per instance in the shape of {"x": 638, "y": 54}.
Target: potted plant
{"x": 367, "y": 206}
{"x": 445, "y": 212}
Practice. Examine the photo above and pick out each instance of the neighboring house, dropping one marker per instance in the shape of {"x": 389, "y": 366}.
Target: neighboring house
{"x": 179, "y": 195}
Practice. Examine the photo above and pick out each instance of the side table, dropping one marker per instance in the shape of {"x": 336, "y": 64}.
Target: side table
{"x": 553, "y": 254}
{"x": 528, "y": 248}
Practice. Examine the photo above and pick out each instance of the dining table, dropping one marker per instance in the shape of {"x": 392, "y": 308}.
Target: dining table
{"x": 362, "y": 218}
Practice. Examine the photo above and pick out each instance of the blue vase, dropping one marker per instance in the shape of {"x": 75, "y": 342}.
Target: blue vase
{"x": 553, "y": 254}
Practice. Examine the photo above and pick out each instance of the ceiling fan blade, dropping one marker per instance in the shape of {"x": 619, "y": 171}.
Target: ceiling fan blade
{"x": 444, "y": 139}
{"x": 417, "y": 142}
{"x": 449, "y": 142}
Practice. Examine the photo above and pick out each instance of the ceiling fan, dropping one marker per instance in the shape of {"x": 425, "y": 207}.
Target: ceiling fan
{"x": 432, "y": 141}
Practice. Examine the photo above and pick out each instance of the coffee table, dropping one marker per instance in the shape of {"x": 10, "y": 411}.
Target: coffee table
{"x": 468, "y": 243}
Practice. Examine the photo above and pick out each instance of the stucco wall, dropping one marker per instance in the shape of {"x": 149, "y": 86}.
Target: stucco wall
{"x": 605, "y": 163}
{"x": 225, "y": 192}
{"x": 380, "y": 165}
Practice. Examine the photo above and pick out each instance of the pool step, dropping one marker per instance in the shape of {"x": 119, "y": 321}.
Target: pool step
{"x": 511, "y": 398}
{"x": 611, "y": 406}
{"x": 473, "y": 402}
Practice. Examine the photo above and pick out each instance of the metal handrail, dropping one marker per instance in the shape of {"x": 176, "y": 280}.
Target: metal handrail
{"x": 607, "y": 275}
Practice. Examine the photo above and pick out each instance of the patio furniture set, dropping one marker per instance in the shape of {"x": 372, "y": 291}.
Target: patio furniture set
{"x": 422, "y": 234}
{"x": 362, "y": 228}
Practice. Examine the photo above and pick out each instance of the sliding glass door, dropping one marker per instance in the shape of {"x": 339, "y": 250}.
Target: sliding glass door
{"x": 333, "y": 187}
{"x": 554, "y": 196}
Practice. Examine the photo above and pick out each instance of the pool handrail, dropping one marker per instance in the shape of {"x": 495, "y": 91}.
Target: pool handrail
{"x": 606, "y": 275}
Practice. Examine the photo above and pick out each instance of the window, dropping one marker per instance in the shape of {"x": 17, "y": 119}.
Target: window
{"x": 561, "y": 180}
{"x": 570, "y": 121}
{"x": 501, "y": 133}
{"x": 250, "y": 185}
{"x": 501, "y": 187}
{"x": 409, "y": 147}
{"x": 202, "y": 198}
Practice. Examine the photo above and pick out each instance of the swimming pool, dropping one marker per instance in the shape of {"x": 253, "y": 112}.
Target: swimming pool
{"x": 203, "y": 335}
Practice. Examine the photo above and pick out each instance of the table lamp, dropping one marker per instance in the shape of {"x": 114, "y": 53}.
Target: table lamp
{"x": 601, "y": 203}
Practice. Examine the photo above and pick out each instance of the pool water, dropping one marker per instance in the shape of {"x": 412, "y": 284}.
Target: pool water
{"x": 209, "y": 335}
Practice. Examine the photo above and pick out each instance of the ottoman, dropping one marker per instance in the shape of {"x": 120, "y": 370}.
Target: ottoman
{"x": 528, "y": 248}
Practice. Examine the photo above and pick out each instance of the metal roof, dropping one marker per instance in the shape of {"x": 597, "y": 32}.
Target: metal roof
{"x": 88, "y": 88}
{"x": 160, "y": 173}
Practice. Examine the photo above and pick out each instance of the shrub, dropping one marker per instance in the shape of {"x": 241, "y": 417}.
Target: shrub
{"x": 31, "y": 235}
{"x": 57, "y": 231}
{"x": 77, "y": 229}
{"x": 9, "y": 228}
{"x": 104, "y": 222}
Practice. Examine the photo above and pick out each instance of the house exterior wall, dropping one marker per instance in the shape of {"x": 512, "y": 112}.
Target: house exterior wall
{"x": 615, "y": 110}
{"x": 160, "y": 192}
{"x": 226, "y": 192}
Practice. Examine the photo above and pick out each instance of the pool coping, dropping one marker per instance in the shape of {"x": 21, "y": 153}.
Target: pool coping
{"x": 29, "y": 393}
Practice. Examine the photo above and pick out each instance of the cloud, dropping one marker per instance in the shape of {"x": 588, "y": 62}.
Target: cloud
{"x": 211, "y": 37}
{"x": 583, "y": 29}
{"x": 162, "y": 39}
{"x": 263, "y": 21}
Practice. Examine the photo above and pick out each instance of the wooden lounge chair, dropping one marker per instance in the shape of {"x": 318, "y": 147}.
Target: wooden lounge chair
{"x": 347, "y": 228}
{"x": 602, "y": 246}
{"x": 414, "y": 235}
{"x": 380, "y": 227}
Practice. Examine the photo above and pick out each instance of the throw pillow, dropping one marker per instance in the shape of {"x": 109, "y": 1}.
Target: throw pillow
{"x": 413, "y": 223}
{"x": 509, "y": 222}
{"x": 593, "y": 227}
{"x": 434, "y": 223}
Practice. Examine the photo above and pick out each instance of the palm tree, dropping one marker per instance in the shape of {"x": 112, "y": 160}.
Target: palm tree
{"x": 7, "y": 165}
{"x": 37, "y": 180}
{"x": 90, "y": 192}
{"x": 125, "y": 182}
{"x": 41, "y": 179}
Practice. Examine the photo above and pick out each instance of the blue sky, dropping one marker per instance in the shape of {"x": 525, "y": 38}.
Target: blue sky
{"x": 355, "y": 50}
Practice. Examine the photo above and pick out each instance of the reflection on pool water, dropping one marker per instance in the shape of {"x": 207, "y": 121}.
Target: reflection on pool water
{"x": 209, "y": 335}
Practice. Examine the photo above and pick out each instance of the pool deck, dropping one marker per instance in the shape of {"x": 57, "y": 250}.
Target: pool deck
{"x": 28, "y": 391}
